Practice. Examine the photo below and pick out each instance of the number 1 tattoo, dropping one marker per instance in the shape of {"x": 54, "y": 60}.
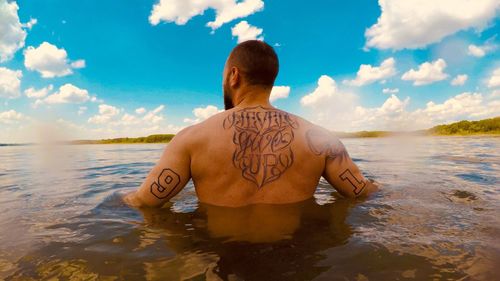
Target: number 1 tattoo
{"x": 323, "y": 143}
{"x": 357, "y": 185}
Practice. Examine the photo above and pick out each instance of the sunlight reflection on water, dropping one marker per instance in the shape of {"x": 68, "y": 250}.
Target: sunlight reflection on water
{"x": 436, "y": 217}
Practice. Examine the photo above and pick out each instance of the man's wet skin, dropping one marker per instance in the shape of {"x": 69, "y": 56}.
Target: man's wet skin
{"x": 252, "y": 152}
{"x": 226, "y": 241}
{"x": 256, "y": 223}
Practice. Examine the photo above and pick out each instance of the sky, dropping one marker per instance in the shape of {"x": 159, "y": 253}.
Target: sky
{"x": 101, "y": 69}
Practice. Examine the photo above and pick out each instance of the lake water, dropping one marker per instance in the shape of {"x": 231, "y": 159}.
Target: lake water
{"x": 436, "y": 217}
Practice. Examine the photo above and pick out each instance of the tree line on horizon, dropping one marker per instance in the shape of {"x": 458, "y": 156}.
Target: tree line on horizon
{"x": 486, "y": 126}
{"x": 158, "y": 138}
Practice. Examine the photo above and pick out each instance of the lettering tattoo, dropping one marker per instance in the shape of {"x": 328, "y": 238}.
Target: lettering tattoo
{"x": 323, "y": 143}
{"x": 263, "y": 139}
{"x": 166, "y": 183}
{"x": 357, "y": 185}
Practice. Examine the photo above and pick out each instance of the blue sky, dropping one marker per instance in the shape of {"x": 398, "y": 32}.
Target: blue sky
{"x": 124, "y": 56}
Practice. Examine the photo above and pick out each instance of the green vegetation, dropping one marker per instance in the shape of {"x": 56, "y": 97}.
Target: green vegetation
{"x": 165, "y": 138}
{"x": 482, "y": 127}
{"x": 364, "y": 134}
{"x": 462, "y": 128}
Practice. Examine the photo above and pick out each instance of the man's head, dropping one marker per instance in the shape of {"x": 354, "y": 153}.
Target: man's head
{"x": 251, "y": 64}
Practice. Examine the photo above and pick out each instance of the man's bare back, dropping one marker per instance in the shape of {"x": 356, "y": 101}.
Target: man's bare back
{"x": 251, "y": 153}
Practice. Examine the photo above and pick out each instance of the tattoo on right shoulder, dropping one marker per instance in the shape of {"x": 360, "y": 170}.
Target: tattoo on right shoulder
{"x": 323, "y": 143}
{"x": 166, "y": 183}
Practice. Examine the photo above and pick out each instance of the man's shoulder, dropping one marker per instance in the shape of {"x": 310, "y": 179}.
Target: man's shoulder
{"x": 304, "y": 124}
{"x": 201, "y": 127}
{"x": 208, "y": 124}
{"x": 317, "y": 136}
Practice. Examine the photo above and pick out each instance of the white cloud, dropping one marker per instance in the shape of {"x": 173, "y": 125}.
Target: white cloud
{"x": 418, "y": 23}
{"x": 11, "y": 117}
{"x": 494, "y": 95}
{"x": 112, "y": 116}
{"x": 279, "y": 92}
{"x": 158, "y": 109}
{"x": 206, "y": 112}
{"x": 50, "y": 61}
{"x": 81, "y": 110}
{"x": 463, "y": 106}
{"x": 108, "y": 110}
{"x": 140, "y": 110}
{"x": 181, "y": 11}
{"x": 12, "y": 35}
{"x": 480, "y": 51}
{"x": 68, "y": 93}
{"x": 328, "y": 102}
{"x": 106, "y": 114}
{"x": 326, "y": 88}
{"x": 38, "y": 94}
{"x": 476, "y": 51}
{"x": 153, "y": 116}
{"x": 391, "y": 115}
{"x": 78, "y": 64}
{"x": 394, "y": 105}
{"x": 30, "y": 24}
{"x": 494, "y": 80}
{"x": 109, "y": 122}
{"x": 368, "y": 74}
{"x": 341, "y": 111}
{"x": 390, "y": 91}
{"x": 245, "y": 32}
{"x": 459, "y": 80}
{"x": 10, "y": 83}
{"x": 129, "y": 119}
{"x": 114, "y": 122}
{"x": 202, "y": 113}
{"x": 427, "y": 73}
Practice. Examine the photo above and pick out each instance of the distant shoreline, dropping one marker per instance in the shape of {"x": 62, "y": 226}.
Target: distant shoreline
{"x": 486, "y": 127}
{"x": 353, "y": 136}
{"x": 482, "y": 128}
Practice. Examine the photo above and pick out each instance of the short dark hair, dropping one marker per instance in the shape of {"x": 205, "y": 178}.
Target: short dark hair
{"x": 257, "y": 61}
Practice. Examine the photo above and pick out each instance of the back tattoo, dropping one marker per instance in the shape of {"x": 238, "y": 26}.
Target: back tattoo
{"x": 263, "y": 139}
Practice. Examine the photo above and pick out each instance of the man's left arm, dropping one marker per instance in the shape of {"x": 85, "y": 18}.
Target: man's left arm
{"x": 167, "y": 178}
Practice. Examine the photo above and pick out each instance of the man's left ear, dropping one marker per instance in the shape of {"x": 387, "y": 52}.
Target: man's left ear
{"x": 234, "y": 78}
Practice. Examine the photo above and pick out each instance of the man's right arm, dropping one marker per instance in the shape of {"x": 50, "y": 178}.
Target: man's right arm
{"x": 340, "y": 171}
{"x": 167, "y": 178}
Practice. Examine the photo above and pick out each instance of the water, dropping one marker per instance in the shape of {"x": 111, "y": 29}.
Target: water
{"x": 436, "y": 217}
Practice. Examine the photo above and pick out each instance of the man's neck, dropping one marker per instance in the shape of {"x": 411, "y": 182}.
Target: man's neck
{"x": 252, "y": 98}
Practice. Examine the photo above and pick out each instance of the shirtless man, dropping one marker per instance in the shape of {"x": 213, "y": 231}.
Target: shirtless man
{"x": 252, "y": 152}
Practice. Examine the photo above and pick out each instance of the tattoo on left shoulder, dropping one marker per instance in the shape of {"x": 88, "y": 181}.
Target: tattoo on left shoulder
{"x": 357, "y": 185}
{"x": 323, "y": 143}
{"x": 166, "y": 183}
